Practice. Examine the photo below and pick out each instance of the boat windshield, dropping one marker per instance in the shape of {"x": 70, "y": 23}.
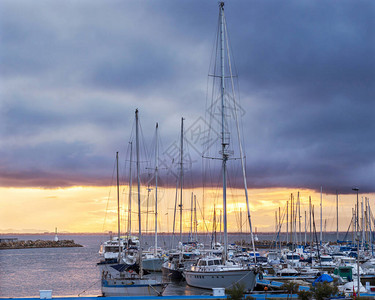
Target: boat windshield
{"x": 326, "y": 258}
{"x": 111, "y": 249}
{"x": 202, "y": 263}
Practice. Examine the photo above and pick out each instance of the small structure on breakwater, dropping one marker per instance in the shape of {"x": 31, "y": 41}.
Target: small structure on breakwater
{"x": 37, "y": 244}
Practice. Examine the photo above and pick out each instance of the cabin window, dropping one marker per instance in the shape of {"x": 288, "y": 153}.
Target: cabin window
{"x": 202, "y": 263}
{"x": 210, "y": 262}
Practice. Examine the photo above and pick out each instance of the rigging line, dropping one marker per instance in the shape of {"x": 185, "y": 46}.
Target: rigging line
{"x": 84, "y": 291}
{"x": 109, "y": 194}
{"x": 210, "y": 109}
{"x": 278, "y": 235}
{"x": 126, "y": 181}
{"x": 239, "y": 140}
{"x": 205, "y": 225}
{"x": 205, "y": 166}
{"x": 143, "y": 146}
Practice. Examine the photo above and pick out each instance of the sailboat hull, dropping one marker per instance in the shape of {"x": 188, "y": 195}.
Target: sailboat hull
{"x": 224, "y": 279}
{"x": 132, "y": 287}
{"x": 169, "y": 271}
{"x": 153, "y": 264}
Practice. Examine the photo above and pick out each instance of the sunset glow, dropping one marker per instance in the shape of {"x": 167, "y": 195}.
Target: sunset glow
{"x": 94, "y": 209}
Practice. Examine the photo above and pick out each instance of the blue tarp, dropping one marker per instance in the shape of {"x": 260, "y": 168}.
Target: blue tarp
{"x": 323, "y": 278}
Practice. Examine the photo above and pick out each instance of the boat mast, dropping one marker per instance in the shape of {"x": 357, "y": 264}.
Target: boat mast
{"x": 181, "y": 173}
{"x": 311, "y": 235}
{"x": 362, "y": 224}
{"x": 287, "y": 222}
{"x": 156, "y": 189}
{"x": 220, "y": 222}
{"x": 291, "y": 220}
{"x": 299, "y": 219}
{"x": 224, "y": 142}
{"x": 337, "y": 216}
{"x": 214, "y": 227}
{"x": 118, "y": 210}
{"x": 321, "y": 215}
{"x": 174, "y": 213}
{"x": 195, "y": 219}
{"x": 130, "y": 193}
{"x": 139, "y": 193}
{"x": 280, "y": 225}
{"x": 370, "y": 228}
{"x": 305, "y": 229}
{"x": 191, "y": 217}
{"x": 241, "y": 227}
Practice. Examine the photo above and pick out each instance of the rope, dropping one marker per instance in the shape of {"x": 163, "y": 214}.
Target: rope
{"x": 84, "y": 291}
{"x": 155, "y": 290}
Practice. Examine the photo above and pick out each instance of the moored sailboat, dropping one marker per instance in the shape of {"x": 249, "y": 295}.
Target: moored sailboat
{"x": 212, "y": 272}
{"x": 129, "y": 279}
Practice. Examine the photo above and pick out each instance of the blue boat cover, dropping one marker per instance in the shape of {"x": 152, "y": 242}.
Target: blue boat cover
{"x": 126, "y": 267}
{"x": 323, "y": 278}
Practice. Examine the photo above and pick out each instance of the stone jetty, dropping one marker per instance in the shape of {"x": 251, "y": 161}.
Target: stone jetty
{"x": 38, "y": 244}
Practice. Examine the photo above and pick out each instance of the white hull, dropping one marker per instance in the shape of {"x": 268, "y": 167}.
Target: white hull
{"x": 222, "y": 279}
{"x": 153, "y": 264}
{"x": 132, "y": 287}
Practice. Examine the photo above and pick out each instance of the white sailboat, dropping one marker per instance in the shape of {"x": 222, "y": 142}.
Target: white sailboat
{"x": 212, "y": 272}
{"x": 153, "y": 259}
{"x": 129, "y": 280}
{"x": 184, "y": 256}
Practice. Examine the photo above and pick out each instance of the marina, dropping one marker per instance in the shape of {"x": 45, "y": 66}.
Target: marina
{"x": 56, "y": 269}
{"x": 172, "y": 230}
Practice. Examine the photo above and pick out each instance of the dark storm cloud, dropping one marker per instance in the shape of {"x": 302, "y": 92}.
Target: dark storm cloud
{"x": 306, "y": 78}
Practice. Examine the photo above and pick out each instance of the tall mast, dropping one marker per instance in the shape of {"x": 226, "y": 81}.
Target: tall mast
{"x": 276, "y": 225}
{"x": 139, "y": 193}
{"x": 191, "y": 217}
{"x": 299, "y": 218}
{"x": 305, "y": 229}
{"x": 224, "y": 143}
{"x": 370, "y": 228}
{"x": 174, "y": 213}
{"x": 241, "y": 227}
{"x": 181, "y": 173}
{"x": 156, "y": 188}
{"x": 220, "y": 222}
{"x": 291, "y": 219}
{"x": 130, "y": 192}
{"x": 118, "y": 210}
{"x": 214, "y": 228}
{"x": 354, "y": 228}
{"x": 280, "y": 225}
{"x": 362, "y": 224}
{"x": 287, "y": 221}
{"x": 195, "y": 219}
{"x": 311, "y": 235}
{"x": 321, "y": 215}
{"x": 337, "y": 216}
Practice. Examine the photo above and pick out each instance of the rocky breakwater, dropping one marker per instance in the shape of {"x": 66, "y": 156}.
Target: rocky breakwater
{"x": 38, "y": 244}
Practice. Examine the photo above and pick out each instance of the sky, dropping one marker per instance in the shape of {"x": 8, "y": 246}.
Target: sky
{"x": 72, "y": 74}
